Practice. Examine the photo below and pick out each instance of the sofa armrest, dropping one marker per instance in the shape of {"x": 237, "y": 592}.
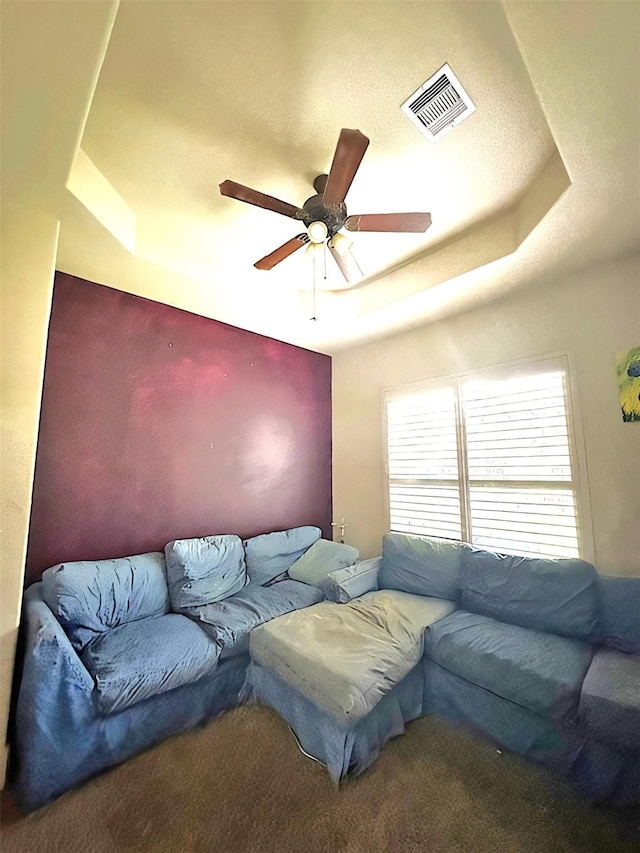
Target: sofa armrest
{"x": 342, "y": 585}
{"x": 610, "y": 698}
{"x": 47, "y": 647}
{"x": 56, "y": 690}
{"x": 619, "y": 613}
{"x": 55, "y": 705}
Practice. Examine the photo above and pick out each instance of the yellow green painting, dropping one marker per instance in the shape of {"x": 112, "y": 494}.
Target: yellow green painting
{"x": 628, "y": 369}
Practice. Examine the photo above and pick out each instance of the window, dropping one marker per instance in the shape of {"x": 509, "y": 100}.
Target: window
{"x": 487, "y": 459}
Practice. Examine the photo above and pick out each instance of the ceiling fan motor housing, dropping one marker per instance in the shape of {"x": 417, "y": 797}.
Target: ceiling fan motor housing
{"x": 333, "y": 215}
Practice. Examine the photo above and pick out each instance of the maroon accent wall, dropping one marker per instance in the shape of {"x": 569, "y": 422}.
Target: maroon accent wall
{"x": 159, "y": 424}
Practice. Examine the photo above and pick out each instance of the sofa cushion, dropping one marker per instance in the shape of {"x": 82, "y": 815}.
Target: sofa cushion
{"x": 346, "y": 657}
{"x": 610, "y": 698}
{"x": 322, "y": 557}
{"x": 229, "y": 622}
{"x": 559, "y": 596}
{"x": 203, "y": 570}
{"x": 90, "y": 597}
{"x": 619, "y": 623}
{"x": 342, "y": 585}
{"x": 421, "y": 565}
{"x": 150, "y": 656}
{"x": 271, "y": 554}
{"x": 538, "y": 671}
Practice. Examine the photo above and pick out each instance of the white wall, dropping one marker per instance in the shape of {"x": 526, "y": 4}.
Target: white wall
{"x": 51, "y": 56}
{"x": 589, "y": 316}
{"x": 29, "y": 243}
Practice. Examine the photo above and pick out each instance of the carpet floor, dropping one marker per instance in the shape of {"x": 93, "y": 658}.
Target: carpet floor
{"x": 240, "y": 785}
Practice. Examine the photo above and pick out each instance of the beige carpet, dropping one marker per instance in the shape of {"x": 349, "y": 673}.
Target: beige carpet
{"x": 240, "y": 785}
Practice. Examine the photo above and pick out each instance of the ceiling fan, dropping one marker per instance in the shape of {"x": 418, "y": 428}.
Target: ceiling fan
{"x": 325, "y": 213}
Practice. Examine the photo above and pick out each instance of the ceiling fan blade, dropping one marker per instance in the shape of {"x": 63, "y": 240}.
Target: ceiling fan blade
{"x": 242, "y": 193}
{"x": 348, "y": 155}
{"x": 399, "y": 222}
{"x": 269, "y": 261}
{"x": 347, "y": 264}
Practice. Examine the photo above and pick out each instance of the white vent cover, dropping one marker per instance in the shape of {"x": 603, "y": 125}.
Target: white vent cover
{"x": 439, "y": 104}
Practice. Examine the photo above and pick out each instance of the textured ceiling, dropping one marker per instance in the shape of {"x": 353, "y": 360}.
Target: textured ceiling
{"x": 543, "y": 178}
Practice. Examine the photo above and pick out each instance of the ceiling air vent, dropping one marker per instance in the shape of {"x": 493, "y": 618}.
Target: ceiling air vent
{"x": 439, "y": 104}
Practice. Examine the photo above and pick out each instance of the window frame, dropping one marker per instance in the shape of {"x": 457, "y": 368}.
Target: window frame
{"x": 505, "y": 370}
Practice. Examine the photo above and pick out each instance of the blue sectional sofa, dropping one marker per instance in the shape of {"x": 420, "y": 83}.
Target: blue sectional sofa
{"x": 541, "y": 656}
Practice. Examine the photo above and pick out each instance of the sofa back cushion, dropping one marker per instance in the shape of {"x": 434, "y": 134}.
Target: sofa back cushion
{"x": 558, "y": 596}
{"x": 421, "y": 565}
{"x": 323, "y": 557}
{"x": 619, "y": 603}
{"x": 270, "y": 554}
{"x": 91, "y": 597}
{"x": 204, "y": 570}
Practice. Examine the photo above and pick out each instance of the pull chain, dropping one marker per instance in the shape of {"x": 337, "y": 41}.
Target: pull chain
{"x": 314, "y": 286}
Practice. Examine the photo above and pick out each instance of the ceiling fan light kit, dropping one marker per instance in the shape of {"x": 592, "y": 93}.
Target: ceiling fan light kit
{"x": 317, "y": 231}
{"x": 325, "y": 213}
{"x": 340, "y": 243}
{"x": 314, "y": 249}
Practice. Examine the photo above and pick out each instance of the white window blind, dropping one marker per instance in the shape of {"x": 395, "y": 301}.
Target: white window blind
{"x": 487, "y": 460}
{"x": 424, "y": 492}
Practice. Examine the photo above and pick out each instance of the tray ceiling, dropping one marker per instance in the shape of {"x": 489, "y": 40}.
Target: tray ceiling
{"x": 542, "y": 177}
